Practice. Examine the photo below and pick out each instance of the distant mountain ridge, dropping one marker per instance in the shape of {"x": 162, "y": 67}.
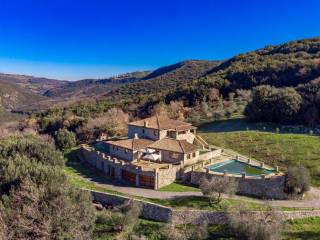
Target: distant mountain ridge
{"x": 89, "y": 87}
{"x": 288, "y": 64}
{"x": 36, "y": 85}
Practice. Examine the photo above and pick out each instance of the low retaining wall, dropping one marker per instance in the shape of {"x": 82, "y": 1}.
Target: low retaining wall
{"x": 198, "y": 217}
{"x": 150, "y": 211}
{"x": 160, "y": 213}
{"x": 268, "y": 188}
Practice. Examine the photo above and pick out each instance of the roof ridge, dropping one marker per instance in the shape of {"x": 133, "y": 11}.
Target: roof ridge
{"x": 158, "y": 123}
{"x": 181, "y": 146}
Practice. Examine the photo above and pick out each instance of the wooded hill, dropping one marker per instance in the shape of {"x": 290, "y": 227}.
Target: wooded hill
{"x": 286, "y": 65}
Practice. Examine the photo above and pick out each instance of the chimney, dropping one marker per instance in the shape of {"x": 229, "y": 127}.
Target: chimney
{"x": 146, "y": 123}
{"x": 136, "y": 136}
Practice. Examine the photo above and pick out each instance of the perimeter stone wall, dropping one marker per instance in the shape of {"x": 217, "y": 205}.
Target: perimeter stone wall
{"x": 268, "y": 188}
{"x": 160, "y": 213}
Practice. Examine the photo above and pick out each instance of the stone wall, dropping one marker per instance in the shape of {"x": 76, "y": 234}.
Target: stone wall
{"x": 198, "y": 217}
{"x": 164, "y": 176}
{"x": 268, "y": 188}
{"x": 149, "y": 211}
{"x": 168, "y": 176}
{"x": 211, "y": 154}
{"x": 160, "y": 213}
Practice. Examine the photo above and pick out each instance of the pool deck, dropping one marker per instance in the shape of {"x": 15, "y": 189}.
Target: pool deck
{"x": 226, "y": 156}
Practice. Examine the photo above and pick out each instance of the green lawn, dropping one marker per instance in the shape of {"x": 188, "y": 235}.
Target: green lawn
{"x": 307, "y": 228}
{"x": 199, "y": 202}
{"x": 272, "y": 148}
{"x": 178, "y": 187}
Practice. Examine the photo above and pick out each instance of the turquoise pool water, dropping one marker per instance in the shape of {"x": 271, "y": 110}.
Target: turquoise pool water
{"x": 236, "y": 167}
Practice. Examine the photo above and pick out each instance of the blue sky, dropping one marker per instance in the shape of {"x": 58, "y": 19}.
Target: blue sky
{"x": 69, "y": 39}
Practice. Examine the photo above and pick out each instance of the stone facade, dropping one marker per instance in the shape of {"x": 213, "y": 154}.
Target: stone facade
{"x": 144, "y": 132}
{"x": 115, "y": 168}
{"x": 153, "y": 155}
{"x": 268, "y": 188}
{"x": 186, "y": 135}
{"x": 156, "y": 134}
{"x": 122, "y": 153}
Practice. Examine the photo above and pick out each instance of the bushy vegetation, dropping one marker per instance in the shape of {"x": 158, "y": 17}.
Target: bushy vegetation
{"x": 285, "y": 105}
{"x": 297, "y": 180}
{"x": 36, "y": 201}
{"x": 65, "y": 139}
{"x": 266, "y": 225}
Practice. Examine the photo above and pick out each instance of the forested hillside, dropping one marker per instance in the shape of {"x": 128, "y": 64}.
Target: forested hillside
{"x": 93, "y": 87}
{"x": 289, "y": 64}
{"x": 208, "y": 88}
{"x": 36, "y": 85}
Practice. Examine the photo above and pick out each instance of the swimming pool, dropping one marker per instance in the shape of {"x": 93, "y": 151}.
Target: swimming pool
{"x": 237, "y": 168}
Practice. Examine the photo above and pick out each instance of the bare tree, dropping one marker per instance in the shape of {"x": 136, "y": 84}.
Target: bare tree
{"x": 215, "y": 187}
{"x": 244, "y": 223}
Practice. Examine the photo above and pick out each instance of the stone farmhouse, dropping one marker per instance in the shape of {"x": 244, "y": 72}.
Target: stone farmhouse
{"x": 158, "y": 151}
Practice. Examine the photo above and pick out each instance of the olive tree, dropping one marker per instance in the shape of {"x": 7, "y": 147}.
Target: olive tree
{"x": 297, "y": 180}
{"x": 215, "y": 187}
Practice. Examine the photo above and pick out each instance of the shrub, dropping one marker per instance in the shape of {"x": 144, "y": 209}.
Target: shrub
{"x": 297, "y": 180}
{"x": 263, "y": 225}
{"x": 36, "y": 201}
{"x": 65, "y": 139}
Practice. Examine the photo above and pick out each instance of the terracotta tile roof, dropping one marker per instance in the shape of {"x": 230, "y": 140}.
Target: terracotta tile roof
{"x": 173, "y": 145}
{"x": 161, "y": 123}
{"x": 131, "y": 144}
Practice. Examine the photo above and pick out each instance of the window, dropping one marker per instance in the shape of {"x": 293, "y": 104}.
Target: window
{"x": 194, "y": 154}
{"x": 155, "y": 132}
{"x": 126, "y": 151}
{"x": 143, "y": 130}
{"x": 189, "y": 156}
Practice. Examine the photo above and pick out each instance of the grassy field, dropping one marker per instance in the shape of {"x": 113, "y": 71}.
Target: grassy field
{"x": 272, "y": 148}
{"x": 307, "y": 228}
